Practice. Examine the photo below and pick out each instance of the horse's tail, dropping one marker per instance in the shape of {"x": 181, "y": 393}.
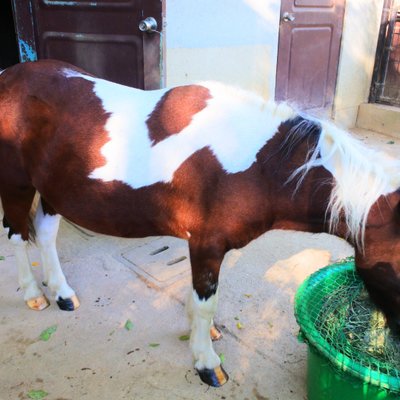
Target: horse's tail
{"x": 31, "y": 217}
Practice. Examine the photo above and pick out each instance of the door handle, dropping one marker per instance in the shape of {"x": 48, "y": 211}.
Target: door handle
{"x": 288, "y": 17}
{"x": 148, "y": 25}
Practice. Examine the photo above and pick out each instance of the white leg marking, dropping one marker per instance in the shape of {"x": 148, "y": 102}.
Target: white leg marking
{"x": 200, "y": 341}
{"x": 46, "y": 233}
{"x": 189, "y": 313}
{"x": 26, "y": 279}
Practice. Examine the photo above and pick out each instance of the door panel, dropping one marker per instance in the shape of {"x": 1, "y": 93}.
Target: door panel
{"x": 93, "y": 53}
{"x": 309, "y": 87}
{"x": 309, "y": 45}
{"x": 101, "y": 37}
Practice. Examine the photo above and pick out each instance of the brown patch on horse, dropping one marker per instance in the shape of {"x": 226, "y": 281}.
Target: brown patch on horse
{"x": 51, "y": 129}
{"x": 175, "y": 111}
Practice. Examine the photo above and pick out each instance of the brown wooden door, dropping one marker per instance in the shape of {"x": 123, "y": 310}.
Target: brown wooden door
{"x": 102, "y": 37}
{"x": 309, "y": 45}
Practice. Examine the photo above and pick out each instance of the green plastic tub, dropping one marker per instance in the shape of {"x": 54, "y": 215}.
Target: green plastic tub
{"x": 352, "y": 355}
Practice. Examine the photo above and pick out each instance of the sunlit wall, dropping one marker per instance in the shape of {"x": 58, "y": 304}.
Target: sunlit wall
{"x": 360, "y": 35}
{"x": 236, "y": 41}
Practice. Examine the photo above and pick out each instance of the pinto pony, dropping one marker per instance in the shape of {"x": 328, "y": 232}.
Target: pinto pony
{"x": 214, "y": 165}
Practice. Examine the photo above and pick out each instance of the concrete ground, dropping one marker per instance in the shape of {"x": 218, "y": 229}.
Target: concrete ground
{"x": 91, "y": 355}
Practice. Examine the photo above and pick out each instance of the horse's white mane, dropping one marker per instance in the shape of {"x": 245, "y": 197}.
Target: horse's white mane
{"x": 361, "y": 176}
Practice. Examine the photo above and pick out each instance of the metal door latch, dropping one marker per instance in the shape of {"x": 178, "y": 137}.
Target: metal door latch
{"x": 288, "y": 17}
{"x": 148, "y": 25}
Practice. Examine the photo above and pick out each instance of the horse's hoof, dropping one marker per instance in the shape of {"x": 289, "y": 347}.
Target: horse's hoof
{"x": 38, "y": 303}
{"x": 215, "y": 333}
{"x": 214, "y": 377}
{"x": 69, "y": 304}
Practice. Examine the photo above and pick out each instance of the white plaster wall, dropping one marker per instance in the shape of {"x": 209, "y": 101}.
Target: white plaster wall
{"x": 234, "y": 41}
{"x": 359, "y": 40}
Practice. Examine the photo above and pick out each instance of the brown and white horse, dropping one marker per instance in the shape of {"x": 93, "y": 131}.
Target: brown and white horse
{"x": 208, "y": 163}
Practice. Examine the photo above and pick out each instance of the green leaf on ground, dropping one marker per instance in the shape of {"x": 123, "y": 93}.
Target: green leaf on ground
{"x": 239, "y": 325}
{"x": 390, "y": 142}
{"x": 2, "y": 258}
{"x": 37, "y": 394}
{"x": 47, "y": 333}
{"x": 154, "y": 344}
{"x": 222, "y": 357}
{"x": 183, "y": 338}
{"x": 128, "y": 325}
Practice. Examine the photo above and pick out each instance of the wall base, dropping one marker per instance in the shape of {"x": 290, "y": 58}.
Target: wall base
{"x": 380, "y": 118}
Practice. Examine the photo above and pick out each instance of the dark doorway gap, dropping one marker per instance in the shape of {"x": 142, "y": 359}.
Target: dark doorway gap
{"x": 8, "y": 40}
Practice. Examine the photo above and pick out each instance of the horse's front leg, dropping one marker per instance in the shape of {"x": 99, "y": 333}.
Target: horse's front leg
{"x": 206, "y": 261}
{"x": 46, "y": 225}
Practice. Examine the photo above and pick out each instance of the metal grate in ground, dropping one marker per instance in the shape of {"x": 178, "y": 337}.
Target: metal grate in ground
{"x": 161, "y": 262}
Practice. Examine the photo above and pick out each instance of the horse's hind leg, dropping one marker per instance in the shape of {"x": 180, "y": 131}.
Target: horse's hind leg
{"x": 46, "y": 225}
{"x": 16, "y": 205}
{"x": 206, "y": 260}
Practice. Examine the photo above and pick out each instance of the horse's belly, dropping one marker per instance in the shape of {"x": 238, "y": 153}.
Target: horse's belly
{"x": 114, "y": 208}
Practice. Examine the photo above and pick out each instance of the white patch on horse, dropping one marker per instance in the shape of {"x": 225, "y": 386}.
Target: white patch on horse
{"x": 202, "y": 313}
{"x": 361, "y": 175}
{"x": 234, "y": 125}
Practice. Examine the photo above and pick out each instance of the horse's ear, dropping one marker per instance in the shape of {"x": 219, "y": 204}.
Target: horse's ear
{"x": 394, "y": 198}
{"x": 385, "y": 209}
{"x": 397, "y": 209}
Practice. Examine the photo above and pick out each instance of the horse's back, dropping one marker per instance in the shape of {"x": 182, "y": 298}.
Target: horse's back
{"x": 55, "y": 123}
{"x": 131, "y": 163}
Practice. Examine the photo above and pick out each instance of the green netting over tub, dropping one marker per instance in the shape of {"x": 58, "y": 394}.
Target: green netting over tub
{"x": 338, "y": 319}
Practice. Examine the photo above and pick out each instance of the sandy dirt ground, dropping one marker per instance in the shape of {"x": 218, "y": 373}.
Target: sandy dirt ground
{"x": 91, "y": 355}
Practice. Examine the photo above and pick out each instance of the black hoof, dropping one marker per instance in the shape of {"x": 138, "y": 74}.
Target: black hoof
{"x": 69, "y": 304}
{"x": 214, "y": 377}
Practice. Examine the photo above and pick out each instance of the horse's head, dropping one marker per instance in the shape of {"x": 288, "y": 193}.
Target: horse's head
{"x": 379, "y": 262}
